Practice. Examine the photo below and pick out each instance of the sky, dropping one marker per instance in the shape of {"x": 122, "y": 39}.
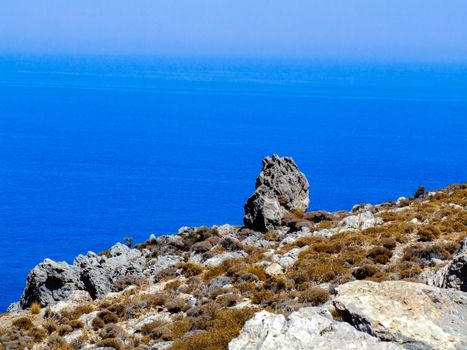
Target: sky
{"x": 428, "y": 30}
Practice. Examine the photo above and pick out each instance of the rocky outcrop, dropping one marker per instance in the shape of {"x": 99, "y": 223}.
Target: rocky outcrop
{"x": 307, "y": 328}
{"x": 51, "y": 282}
{"x": 281, "y": 189}
{"x": 414, "y": 315}
{"x": 454, "y": 274}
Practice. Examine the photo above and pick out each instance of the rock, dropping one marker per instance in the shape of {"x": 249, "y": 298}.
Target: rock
{"x": 152, "y": 239}
{"x": 49, "y": 282}
{"x": 281, "y": 189}
{"x": 14, "y": 308}
{"x": 361, "y": 221}
{"x": 286, "y": 260}
{"x": 307, "y": 328}
{"x": 93, "y": 274}
{"x": 413, "y": 314}
{"x": 454, "y": 274}
{"x": 218, "y": 259}
{"x": 219, "y": 282}
{"x": 274, "y": 269}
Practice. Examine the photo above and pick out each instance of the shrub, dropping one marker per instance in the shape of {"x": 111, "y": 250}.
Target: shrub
{"x": 64, "y": 329}
{"x": 223, "y": 326}
{"x": 228, "y": 300}
{"x": 37, "y": 334}
{"x": 176, "y": 305}
{"x": 319, "y": 269}
{"x": 149, "y": 327}
{"x": 97, "y": 323}
{"x": 172, "y": 285}
{"x": 388, "y": 243}
{"x": 314, "y": 296}
{"x": 126, "y": 281}
{"x": 112, "y": 343}
{"x": 58, "y": 343}
{"x": 190, "y": 269}
{"x": 379, "y": 255}
{"x": 50, "y": 326}
{"x": 179, "y": 328}
{"x": 428, "y": 233}
{"x": 258, "y": 271}
{"x": 23, "y": 323}
{"x": 107, "y": 316}
{"x": 35, "y": 308}
{"x": 262, "y": 296}
{"x": 365, "y": 271}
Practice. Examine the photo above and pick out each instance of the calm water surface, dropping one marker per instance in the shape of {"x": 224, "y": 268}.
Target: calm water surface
{"x": 95, "y": 149}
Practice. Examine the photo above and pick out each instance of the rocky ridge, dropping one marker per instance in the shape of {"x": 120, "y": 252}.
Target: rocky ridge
{"x": 387, "y": 276}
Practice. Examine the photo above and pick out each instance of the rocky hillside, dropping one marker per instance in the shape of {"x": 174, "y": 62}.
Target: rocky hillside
{"x": 387, "y": 276}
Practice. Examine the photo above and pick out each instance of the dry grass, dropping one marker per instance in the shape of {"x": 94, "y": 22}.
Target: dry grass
{"x": 221, "y": 327}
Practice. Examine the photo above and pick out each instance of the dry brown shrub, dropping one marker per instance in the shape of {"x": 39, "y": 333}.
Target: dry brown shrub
{"x": 257, "y": 271}
{"x": 24, "y": 323}
{"x": 50, "y": 326}
{"x": 114, "y": 343}
{"x": 78, "y": 311}
{"x": 228, "y": 299}
{"x": 428, "y": 233}
{"x": 190, "y": 269}
{"x": 380, "y": 255}
{"x": 365, "y": 271}
{"x": 319, "y": 268}
{"x": 314, "y": 296}
{"x": 176, "y": 305}
{"x": 172, "y": 285}
{"x": 262, "y": 296}
{"x": 223, "y": 326}
{"x": 64, "y": 329}
{"x": 58, "y": 343}
{"x": 35, "y": 308}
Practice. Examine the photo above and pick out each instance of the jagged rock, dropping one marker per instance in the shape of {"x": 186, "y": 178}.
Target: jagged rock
{"x": 219, "y": 282}
{"x": 286, "y": 260}
{"x": 454, "y": 274}
{"x": 361, "y": 221}
{"x": 274, "y": 269}
{"x": 218, "y": 259}
{"x": 413, "y": 314}
{"x": 281, "y": 189}
{"x": 307, "y": 328}
{"x": 49, "y": 282}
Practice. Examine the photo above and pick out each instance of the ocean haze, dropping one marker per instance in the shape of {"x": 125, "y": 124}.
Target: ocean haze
{"x": 95, "y": 149}
{"x": 423, "y": 30}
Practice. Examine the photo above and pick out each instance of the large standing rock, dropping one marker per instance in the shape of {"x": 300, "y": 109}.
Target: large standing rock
{"x": 280, "y": 189}
{"x": 307, "y": 328}
{"x": 454, "y": 274}
{"x": 49, "y": 282}
{"x": 413, "y": 314}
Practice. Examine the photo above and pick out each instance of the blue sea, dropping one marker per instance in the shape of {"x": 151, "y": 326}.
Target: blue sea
{"x": 93, "y": 149}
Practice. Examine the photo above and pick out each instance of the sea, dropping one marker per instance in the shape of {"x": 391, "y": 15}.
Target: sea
{"x": 97, "y": 148}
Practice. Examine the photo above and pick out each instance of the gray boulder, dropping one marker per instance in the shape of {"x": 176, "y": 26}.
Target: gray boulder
{"x": 414, "y": 315}
{"x": 93, "y": 274}
{"x": 306, "y": 329}
{"x": 281, "y": 190}
{"x": 454, "y": 274}
{"x": 49, "y": 282}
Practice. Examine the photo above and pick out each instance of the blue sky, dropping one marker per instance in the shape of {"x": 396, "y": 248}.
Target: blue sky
{"x": 425, "y": 30}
